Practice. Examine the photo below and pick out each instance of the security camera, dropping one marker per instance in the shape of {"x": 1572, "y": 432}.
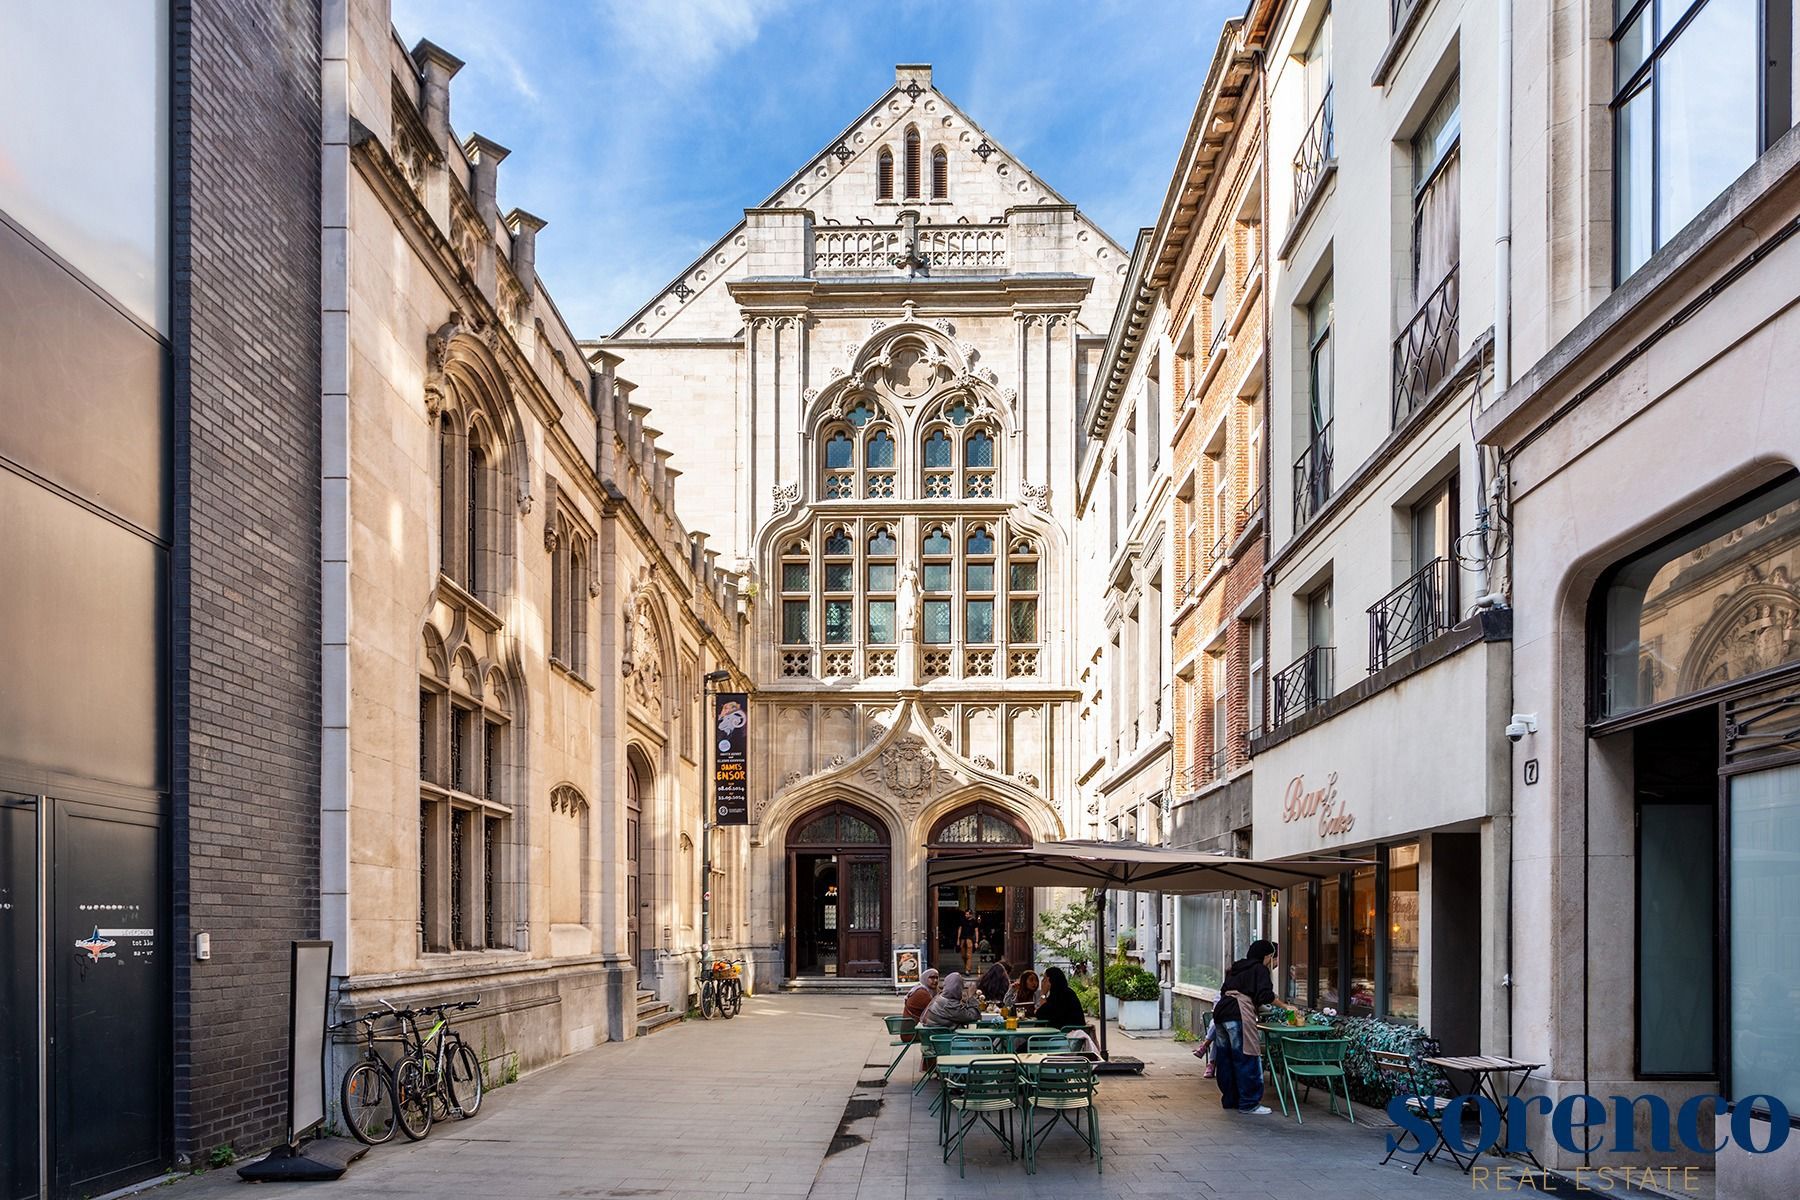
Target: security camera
{"x": 1522, "y": 724}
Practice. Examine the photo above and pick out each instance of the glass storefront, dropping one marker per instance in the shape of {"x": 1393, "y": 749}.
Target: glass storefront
{"x": 1202, "y": 953}
{"x": 1764, "y": 865}
{"x": 1353, "y": 944}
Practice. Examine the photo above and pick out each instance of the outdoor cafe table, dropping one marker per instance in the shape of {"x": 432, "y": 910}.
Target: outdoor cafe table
{"x": 1272, "y": 1035}
{"x": 1001, "y": 1034}
{"x": 1484, "y": 1071}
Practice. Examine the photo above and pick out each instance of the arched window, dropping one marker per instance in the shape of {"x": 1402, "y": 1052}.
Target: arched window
{"x": 578, "y": 605}
{"x": 939, "y": 463}
{"x": 912, "y": 163}
{"x": 840, "y": 587}
{"x": 978, "y": 464}
{"x": 978, "y": 588}
{"x": 476, "y": 507}
{"x": 1022, "y": 593}
{"x": 449, "y": 471}
{"x": 569, "y": 599}
{"x": 940, "y": 174}
{"x": 946, "y": 473}
{"x": 979, "y": 823}
{"x": 796, "y": 594}
{"x": 884, "y": 174}
{"x": 878, "y": 464}
{"x": 849, "y": 473}
{"x": 465, "y": 809}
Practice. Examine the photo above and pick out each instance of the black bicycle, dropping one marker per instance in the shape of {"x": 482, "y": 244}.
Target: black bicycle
{"x": 366, "y": 1095}
{"x": 449, "y": 1071}
{"x": 722, "y": 991}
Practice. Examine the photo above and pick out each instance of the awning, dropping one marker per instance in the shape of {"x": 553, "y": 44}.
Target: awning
{"x": 1128, "y": 866}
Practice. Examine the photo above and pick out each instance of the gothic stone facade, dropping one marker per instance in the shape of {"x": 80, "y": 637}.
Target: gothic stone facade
{"x": 874, "y": 377}
{"x": 516, "y": 624}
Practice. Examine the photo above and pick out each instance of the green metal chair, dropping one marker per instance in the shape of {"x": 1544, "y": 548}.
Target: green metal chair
{"x": 987, "y": 1095}
{"x": 968, "y": 1043}
{"x": 1306, "y": 1061}
{"x": 1047, "y": 1043}
{"x": 1272, "y": 1061}
{"x": 1402, "y": 1076}
{"x": 1064, "y": 1088}
{"x": 940, "y": 1044}
{"x": 901, "y": 1030}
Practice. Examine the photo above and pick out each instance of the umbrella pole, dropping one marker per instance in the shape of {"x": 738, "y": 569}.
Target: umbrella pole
{"x": 1100, "y": 961}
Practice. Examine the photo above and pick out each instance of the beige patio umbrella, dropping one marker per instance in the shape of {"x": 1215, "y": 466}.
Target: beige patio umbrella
{"x": 1131, "y": 866}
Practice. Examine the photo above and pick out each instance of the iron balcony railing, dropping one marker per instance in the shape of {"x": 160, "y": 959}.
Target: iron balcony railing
{"x": 1250, "y": 509}
{"x": 1317, "y": 149}
{"x": 1221, "y": 544}
{"x": 1188, "y": 587}
{"x": 1303, "y": 684}
{"x": 1413, "y": 613}
{"x": 1425, "y": 350}
{"x": 1312, "y": 477}
{"x": 1198, "y": 774}
{"x": 1220, "y": 760}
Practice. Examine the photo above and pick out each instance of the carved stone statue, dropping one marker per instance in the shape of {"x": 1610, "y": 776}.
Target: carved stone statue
{"x": 907, "y": 603}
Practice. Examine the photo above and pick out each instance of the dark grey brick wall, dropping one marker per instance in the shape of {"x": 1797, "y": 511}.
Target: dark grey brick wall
{"x": 245, "y": 596}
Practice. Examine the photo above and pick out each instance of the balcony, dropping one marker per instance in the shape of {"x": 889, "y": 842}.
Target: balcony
{"x": 1425, "y": 350}
{"x": 1312, "y": 477}
{"x": 1303, "y": 684}
{"x": 1413, "y": 613}
{"x": 1250, "y": 510}
{"x": 877, "y": 249}
{"x": 1187, "y": 589}
{"x": 1318, "y": 149}
{"x": 1220, "y": 761}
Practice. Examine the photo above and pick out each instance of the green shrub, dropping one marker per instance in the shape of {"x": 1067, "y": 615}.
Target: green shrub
{"x": 221, "y": 1156}
{"x": 1066, "y": 934}
{"x": 1367, "y": 1084}
{"x": 1128, "y": 981}
{"x": 1086, "y": 992}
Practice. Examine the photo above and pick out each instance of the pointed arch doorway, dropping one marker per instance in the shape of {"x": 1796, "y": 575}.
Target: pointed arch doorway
{"x": 839, "y": 862}
{"x": 1003, "y": 919}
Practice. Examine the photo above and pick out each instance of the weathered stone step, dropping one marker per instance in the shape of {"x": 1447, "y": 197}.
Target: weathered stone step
{"x": 660, "y": 1022}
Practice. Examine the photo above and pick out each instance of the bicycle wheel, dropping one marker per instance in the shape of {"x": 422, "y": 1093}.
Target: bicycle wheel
{"x": 367, "y": 1100}
{"x": 709, "y": 999}
{"x": 462, "y": 1072}
{"x": 412, "y": 1099}
{"x": 731, "y": 998}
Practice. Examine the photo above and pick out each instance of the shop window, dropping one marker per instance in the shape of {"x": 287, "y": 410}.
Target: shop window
{"x": 1201, "y": 951}
{"x": 1763, "y": 896}
{"x": 1360, "y": 922}
{"x": 1717, "y": 604}
{"x": 1403, "y": 932}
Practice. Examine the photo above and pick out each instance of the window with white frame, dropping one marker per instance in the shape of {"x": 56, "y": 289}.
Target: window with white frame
{"x": 857, "y": 455}
{"x": 1699, "y": 90}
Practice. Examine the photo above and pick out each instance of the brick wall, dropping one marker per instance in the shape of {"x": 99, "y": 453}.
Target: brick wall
{"x": 245, "y": 592}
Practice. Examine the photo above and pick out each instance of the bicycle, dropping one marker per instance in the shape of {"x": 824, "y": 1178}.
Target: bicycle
{"x": 366, "y": 1095}
{"x": 722, "y": 991}
{"x": 412, "y": 1092}
{"x": 450, "y": 1071}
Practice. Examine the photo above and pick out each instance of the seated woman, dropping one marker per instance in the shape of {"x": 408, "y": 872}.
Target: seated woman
{"x": 1024, "y": 991}
{"x": 950, "y": 1010}
{"x": 1061, "y": 1007}
{"x": 994, "y": 984}
{"x": 922, "y": 994}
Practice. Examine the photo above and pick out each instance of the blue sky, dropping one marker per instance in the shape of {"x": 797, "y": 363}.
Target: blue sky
{"x": 641, "y": 129}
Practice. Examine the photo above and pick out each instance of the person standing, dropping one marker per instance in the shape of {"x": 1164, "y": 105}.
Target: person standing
{"x": 966, "y": 933}
{"x": 1237, "y": 1052}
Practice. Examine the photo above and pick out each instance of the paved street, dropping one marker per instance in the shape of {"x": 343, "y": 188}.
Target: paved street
{"x": 766, "y": 1105}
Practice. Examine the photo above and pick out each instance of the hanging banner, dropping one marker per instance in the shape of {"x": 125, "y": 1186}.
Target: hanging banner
{"x": 731, "y": 772}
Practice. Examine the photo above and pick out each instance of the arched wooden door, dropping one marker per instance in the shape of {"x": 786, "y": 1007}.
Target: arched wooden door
{"x": 637, "y": 786}
{"x": 1003, "y": 918}
{"x": 838, "y": 871}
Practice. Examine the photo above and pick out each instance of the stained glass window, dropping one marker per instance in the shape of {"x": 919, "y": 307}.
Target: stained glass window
{"x": 937, "y": 577}
{"x": 861, "y": 415}
{"x": 882, "y": 542}
{"x": 837, "y": 450}
{"x": 979, "y": 621}
{"x": 881, "y": 622}
{"x": 937, "y": 449}
{"x": 978, "y": 450}
{"x": 937, "y": 622}
{"x": 839, "y": 577}
{"x": 981, "y": 541}
{"x": 981, "y": 577}
{"x": 937, "y": 541}
{"x": 881, "y": 577}
{"x": 879, "y": 452}
{"x": 794, "y": 625}
{"x": 795, "y": 577}
{"x": 840, "y": 621}
{"x": 839, "y": 541}
{"x": 1023, "y": 623}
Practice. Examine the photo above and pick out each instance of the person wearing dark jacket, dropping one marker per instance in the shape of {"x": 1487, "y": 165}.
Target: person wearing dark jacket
{"x": 1237, "y": 1056}
{"x": 993, "y": 985}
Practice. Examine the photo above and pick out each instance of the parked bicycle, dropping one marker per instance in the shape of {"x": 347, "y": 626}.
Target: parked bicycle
{"x": 449, "y": 1071}
{"x": 722, "y": 991}
{"x": 366, "y": 1094}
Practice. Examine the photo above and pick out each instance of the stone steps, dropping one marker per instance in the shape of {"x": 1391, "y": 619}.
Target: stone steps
{"x": 653, "y": 1014}
{"x": 839, "y": 987}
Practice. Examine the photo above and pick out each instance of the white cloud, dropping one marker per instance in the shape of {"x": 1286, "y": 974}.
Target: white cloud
{"x": 673, "y": 37}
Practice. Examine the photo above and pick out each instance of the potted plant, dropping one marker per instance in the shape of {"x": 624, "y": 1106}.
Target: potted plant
{"x": 1138, "y": 993}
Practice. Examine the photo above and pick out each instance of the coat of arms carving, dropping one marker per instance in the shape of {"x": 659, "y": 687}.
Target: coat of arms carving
{"x": 907, "y": 769}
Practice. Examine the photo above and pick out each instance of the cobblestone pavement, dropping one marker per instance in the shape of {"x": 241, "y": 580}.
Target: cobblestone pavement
{"x": 783, "y": 1101}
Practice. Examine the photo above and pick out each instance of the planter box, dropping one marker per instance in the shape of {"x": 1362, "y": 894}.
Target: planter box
{"x": 1141, "y": 1014}
{"x": 1112, "y": 1008}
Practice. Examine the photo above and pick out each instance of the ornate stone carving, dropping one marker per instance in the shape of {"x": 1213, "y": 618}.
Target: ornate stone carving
{"x": 944, "y": 326}
{"x": 525, "y": 500}
{"x": 1028, "y": 779}
{"x": 876, "y": 325}
{"x": 1037, "y": 494}
{"x": 791, "y": 779}
{"x": 647, "y": 655}
{"x": 552, "y": 526}
{"x": 810, "y": 394}
{"x": 941, "y": 732}
{"x": 437, "y": 354}
{"x": 1011, "y": 396}
{"x": 907, "y": 769}
{"x": 786, "y": 496}
{"x": 984, "y": 762}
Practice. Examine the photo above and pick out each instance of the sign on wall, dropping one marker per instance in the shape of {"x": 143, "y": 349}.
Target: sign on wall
{"x": 908, "y": 966}
{"x": 731, "y": 771}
